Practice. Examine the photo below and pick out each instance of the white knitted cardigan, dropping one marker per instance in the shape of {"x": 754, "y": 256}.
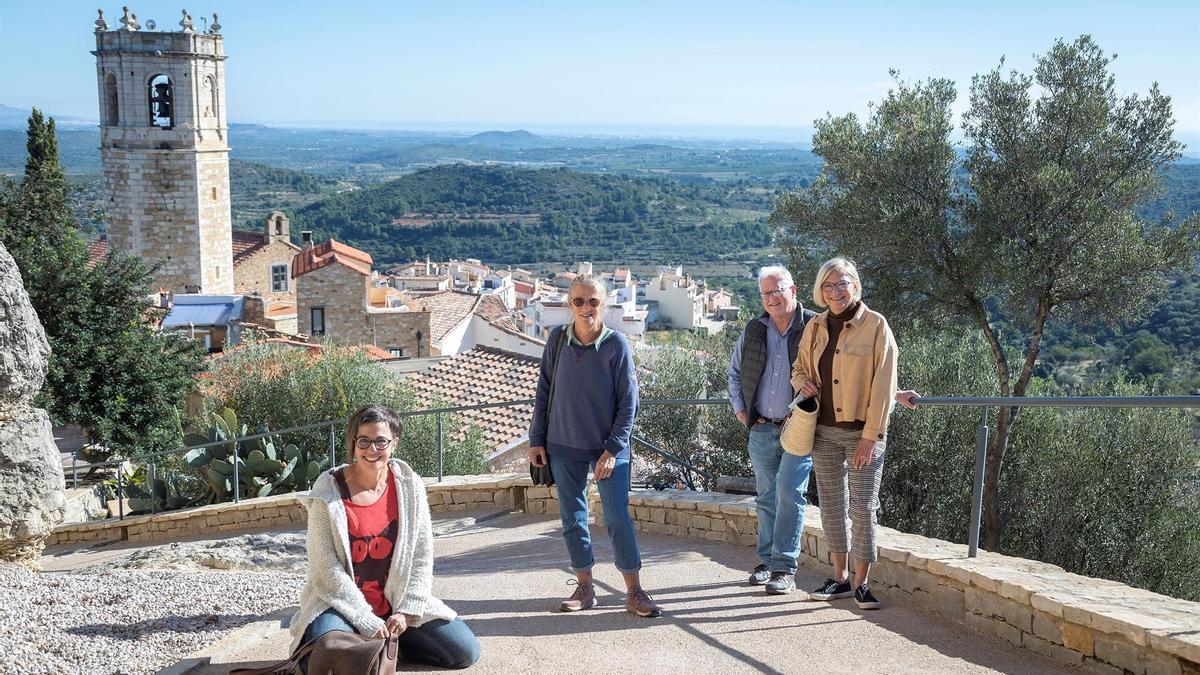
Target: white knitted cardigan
{"x": 331, "y": 576}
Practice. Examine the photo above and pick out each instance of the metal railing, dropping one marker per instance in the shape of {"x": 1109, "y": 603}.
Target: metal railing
{"x": 235, "y": 479}
{"x": 981, "y": 437}
{"x": 982, "y": 432}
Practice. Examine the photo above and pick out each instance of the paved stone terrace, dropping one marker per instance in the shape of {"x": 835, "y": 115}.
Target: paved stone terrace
{"x": 1101, "y": 625}
{"x": 505, "y": 576}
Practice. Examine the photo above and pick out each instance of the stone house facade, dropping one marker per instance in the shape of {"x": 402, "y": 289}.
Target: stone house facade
{"x": 262, "y": 262}
{"x": 339, "y": 298}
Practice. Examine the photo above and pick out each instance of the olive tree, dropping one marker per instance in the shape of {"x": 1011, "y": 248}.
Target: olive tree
{"x": 1032, "y": 219}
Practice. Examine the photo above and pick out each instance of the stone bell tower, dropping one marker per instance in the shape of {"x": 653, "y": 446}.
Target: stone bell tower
{"x": 165, "y": 152}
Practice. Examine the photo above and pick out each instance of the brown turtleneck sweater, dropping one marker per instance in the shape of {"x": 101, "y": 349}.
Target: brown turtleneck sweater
{"x": 827, "y": 416}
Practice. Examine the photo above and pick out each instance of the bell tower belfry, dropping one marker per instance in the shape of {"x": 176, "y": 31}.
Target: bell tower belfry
{"x": 165, "y": 152}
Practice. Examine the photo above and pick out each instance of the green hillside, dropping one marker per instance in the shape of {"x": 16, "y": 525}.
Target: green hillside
{"x": 518, "y": 216}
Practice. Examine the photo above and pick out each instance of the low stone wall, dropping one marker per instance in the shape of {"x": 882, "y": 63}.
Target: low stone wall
{"x": 275, "y": 511}
{"x": 455, "y": 493}
{"x": 1102, "y": 625}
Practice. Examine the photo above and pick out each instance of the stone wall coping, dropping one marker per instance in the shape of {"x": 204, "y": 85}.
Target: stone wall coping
{"x": 1143, "y": 617}
{"x": 490, "y": 481}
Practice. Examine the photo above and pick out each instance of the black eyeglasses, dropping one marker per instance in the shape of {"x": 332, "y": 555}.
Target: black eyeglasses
{"x": 362, "y": 443}
{"x": 591, "y": 302}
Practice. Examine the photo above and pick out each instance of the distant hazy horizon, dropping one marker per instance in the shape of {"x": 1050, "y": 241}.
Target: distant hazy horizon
{"x": 761, "y": 70}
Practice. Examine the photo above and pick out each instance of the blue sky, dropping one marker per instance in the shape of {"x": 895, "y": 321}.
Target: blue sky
{"x": 765, "y": 69}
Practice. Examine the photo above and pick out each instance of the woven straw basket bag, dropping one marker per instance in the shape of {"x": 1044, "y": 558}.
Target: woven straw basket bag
{"x": 798, "y": 430}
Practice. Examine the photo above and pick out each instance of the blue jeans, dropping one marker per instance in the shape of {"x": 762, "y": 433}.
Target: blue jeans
{"x": 570, "y": 475}
{"x": 449, "y": 644}
{"x": 780, "y": 478}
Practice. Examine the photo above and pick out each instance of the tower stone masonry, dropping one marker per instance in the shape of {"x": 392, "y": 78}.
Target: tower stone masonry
{"x": 165, "y": 152}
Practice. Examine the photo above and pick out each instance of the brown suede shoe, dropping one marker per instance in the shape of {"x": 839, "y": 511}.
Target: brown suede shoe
{"x": 638, "y": 601}
{"x": 584, "y": 597}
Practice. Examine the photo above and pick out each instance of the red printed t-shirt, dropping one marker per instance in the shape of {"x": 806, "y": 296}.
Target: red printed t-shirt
{"x": 373, "y": 529}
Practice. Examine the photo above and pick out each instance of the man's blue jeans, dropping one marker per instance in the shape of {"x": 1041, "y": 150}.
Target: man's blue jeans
{"x": 780, "y": 478}
{"x": 570, "y": 475}
{"x": 449, "y": 644}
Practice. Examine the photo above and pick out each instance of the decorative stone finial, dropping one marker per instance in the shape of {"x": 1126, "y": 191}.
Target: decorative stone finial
{"x": 129, "y": 21}
{"x": 187, "y": 22}
{"x": 101, "y": 24}
{"x": 215, "y": 28}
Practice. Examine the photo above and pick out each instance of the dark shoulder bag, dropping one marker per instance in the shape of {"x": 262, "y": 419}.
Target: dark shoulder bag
{"x": 541, "y": 475}
{"x": 339, "y": 653}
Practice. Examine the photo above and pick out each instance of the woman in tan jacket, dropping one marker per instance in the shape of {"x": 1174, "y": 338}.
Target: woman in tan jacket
{"x": 847, "y": 358}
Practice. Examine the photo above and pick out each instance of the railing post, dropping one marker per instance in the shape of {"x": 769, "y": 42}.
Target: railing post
{"x": 981, "y": 442}
{"x": 153, "y": 477}
{"x": 75, "y": 468}
{"x": 332, "y": 447}
{"x": 439, "y": 447}
{"x": 237, "y": 482}
{"x": 120, "y": 500}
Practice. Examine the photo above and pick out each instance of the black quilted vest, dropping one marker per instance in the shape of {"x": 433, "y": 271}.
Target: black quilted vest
{"x": 754, "y": 354}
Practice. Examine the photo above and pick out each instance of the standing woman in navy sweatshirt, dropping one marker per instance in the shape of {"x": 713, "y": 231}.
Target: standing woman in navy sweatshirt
{"x": 587, "y": 425}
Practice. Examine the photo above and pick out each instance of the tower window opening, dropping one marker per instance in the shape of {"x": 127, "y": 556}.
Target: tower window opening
{"x": 111, "y": 111}
{"x": 162, "y": 102}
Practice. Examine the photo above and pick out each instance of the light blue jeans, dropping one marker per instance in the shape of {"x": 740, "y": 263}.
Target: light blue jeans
{"x": 570, "y": 475}
{"x": 780, "y": 478}
{"x": 449, "y": 644}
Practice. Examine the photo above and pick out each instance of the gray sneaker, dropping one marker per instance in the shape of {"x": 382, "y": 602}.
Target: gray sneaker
{"x": 584, "y": 597}
{"x": 760, "y": 576}
{"x": 781, "y": 583}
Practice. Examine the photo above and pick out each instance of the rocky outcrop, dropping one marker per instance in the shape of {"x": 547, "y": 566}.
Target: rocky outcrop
{"x": 31, "y": 480}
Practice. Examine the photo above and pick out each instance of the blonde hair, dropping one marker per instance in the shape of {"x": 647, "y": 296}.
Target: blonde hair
{"x": 848, "y": 270}
{"x": 593, "y": 281}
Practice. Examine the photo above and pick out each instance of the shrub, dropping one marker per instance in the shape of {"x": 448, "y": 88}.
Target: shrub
{"x": 1106, "y": 493}
{"x": 280, "y": 389}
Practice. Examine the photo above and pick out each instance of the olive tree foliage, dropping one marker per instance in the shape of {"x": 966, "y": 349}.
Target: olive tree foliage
{"x": 1109, "y": 493}
{"x": 1033, "y": 221}
{"x": 709, "y": 437}
{"x": 281, "y": 388}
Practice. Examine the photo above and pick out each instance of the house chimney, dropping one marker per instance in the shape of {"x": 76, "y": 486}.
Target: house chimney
{"x": 306, "y": 241}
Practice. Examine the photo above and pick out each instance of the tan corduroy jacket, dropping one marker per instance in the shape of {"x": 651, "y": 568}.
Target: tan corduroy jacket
{"x": 864, "y": 368}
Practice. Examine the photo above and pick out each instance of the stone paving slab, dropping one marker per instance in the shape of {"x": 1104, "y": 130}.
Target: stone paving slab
{"x": 506, "y": 576}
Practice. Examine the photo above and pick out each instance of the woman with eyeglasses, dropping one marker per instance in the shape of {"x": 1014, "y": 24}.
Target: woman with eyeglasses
{"x": 587, "y": 397}
{"x": 370, "y": 553}
{"x": 847, "y": 358}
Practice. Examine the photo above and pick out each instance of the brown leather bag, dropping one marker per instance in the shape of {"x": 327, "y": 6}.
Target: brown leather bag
{"x": 338, "y": 653}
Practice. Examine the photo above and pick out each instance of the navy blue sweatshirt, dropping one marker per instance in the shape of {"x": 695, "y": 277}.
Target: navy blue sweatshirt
{"x": 595, "y": 399}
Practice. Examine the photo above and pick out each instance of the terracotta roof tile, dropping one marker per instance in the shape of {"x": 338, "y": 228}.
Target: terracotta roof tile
{"x": 447, "y": 309}
{"x": 484, "y": 375}
{"x": 491, "y": 307}
{"x": 246, "y": 244}
{"x": 327, "y": 253}
{"x": 97, "y": 252}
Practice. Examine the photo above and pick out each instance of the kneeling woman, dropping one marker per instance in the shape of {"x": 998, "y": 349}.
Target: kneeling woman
{"x": 370, "y": 553}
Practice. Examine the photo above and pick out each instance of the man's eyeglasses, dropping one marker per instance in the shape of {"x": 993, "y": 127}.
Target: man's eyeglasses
{"x": 839, "y": 286}
{"x": 362, "y": 443}
{"x": 591, "y": 302}
{"x": 777, "y": 293}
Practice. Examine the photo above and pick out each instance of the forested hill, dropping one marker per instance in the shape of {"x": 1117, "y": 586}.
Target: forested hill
{"x": 510, "y": 215}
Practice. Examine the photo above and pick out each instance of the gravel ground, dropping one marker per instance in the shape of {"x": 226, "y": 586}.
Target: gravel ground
{"x": 105, "y": 621}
